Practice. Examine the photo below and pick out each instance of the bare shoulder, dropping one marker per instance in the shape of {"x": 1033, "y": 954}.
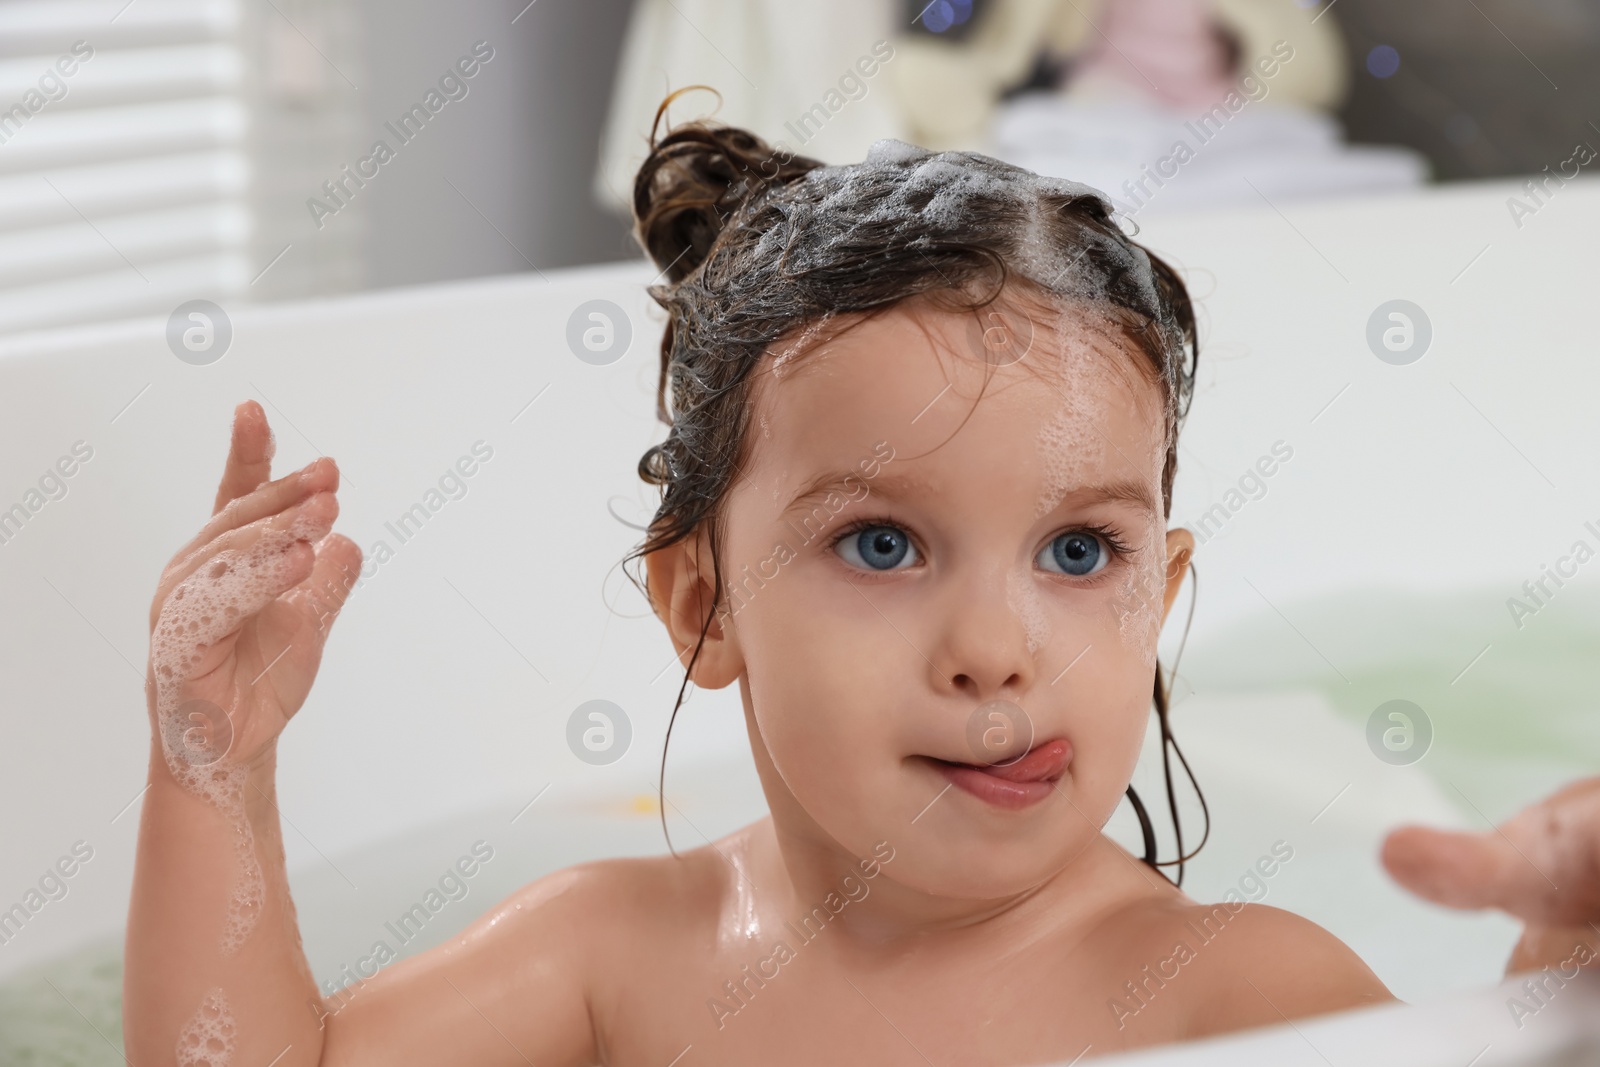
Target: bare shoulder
{"x": 1179, "y": 970}
{"x": 611, "y": 904}
{"x": 548, "y": 963}
{"x": 1263, "y": 965}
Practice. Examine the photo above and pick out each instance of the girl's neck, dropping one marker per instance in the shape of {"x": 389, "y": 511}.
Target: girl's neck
{"x": 798, "y": 869}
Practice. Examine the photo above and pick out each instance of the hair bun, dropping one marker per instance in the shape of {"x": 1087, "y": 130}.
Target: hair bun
{"x": 695, "y": 177}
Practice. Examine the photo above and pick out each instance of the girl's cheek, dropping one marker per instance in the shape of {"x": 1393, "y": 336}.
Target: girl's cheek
{"x": 811, "y": 720}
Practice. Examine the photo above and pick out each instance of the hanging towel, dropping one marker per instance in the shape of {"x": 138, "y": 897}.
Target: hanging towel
{"x": 811, "y": 76}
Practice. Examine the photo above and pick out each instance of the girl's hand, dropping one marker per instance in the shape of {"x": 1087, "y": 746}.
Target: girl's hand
{"x": 241, "y": 613}
{"x": 1542, "y": 866}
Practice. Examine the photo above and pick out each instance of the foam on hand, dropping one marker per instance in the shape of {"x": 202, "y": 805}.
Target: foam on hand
{"x": 204, "y": 608}
{"x": 209, "y": 1037}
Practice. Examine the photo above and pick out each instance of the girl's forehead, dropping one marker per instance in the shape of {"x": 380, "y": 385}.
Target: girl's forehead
{"x": 878, "y": 366}
{"x": 919, "y": 380}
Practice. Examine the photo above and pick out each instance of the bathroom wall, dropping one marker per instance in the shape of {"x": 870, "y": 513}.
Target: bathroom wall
{"x": 504, "y": 186}
{"x": 1490, "y": 88}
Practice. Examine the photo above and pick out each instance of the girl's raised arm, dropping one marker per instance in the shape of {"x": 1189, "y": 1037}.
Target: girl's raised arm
{"x": 214, "y": 971}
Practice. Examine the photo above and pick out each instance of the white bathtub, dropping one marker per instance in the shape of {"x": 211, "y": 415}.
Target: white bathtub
{"x": 1376, "y": 566}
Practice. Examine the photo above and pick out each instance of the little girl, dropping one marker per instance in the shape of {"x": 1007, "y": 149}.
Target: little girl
{"x": 923, "y": 421}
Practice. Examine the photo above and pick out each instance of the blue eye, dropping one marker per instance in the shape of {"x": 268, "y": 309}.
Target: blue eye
{"x": 1077, "y": 553}
{"x": 878, "y": 548}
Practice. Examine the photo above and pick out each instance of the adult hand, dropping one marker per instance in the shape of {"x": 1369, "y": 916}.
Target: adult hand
{"x": 1541, "y": 866}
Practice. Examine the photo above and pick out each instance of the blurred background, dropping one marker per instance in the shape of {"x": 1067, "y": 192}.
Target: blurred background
{"x": 410, "y": 221}
{"x": 216, "y": 148}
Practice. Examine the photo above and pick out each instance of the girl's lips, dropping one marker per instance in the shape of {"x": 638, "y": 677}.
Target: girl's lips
{"x": 1013, "y": 785}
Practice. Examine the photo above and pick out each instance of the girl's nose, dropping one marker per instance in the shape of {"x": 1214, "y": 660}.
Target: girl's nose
{"x": 981, "y": 644}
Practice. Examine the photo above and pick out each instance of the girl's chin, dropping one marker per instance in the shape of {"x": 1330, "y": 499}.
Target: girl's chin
{"x": 992, "y": 875}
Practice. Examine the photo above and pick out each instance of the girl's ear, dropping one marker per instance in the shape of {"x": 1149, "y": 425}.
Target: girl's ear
{"x": 1180, "y": 550}
{"x": 682, "y": 587}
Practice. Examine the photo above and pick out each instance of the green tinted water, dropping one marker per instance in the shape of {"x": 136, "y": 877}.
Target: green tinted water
{"x": 66, "y": 1013}
{"x": 1513, "y": 711}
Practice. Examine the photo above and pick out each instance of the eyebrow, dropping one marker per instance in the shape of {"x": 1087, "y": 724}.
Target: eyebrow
{"x": 897, "y": 486}
{"x": 1136, "y": 493}
{"x": 891, "y": 486}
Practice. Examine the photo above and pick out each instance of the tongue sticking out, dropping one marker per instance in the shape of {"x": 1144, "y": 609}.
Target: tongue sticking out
{"x": 1045, "y": 761}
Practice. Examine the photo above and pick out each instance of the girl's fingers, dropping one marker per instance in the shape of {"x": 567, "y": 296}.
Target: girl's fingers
{"x": 320, "y": 475}
{"x": 231, "y": 594}
{"x": 249, "y": 454}
{"x": 309, "y": 521}
{"x": 320, "y": 597}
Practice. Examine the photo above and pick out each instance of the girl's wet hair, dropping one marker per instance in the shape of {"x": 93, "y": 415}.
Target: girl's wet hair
{"x": 756, "y": 244}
